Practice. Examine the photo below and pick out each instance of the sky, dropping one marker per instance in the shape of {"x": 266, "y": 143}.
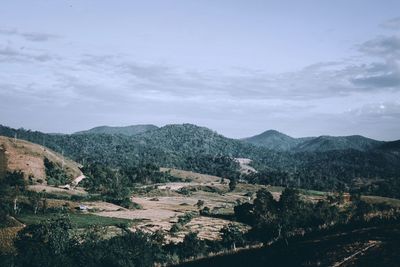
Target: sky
{"x": 240, "y": 67}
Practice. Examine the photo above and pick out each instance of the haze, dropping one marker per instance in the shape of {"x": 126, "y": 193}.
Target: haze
{"x": 305, "y": 68}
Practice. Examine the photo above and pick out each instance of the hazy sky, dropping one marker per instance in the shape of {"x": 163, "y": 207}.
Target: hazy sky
{"x": 238, "y": 67}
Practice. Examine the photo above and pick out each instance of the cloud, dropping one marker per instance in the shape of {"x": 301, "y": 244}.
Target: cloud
{"x": 377, "y": 110}
{"x": 29, "y": 36}
{"x": 385, "y": 46}
{"x": 392, "y": 24}
{"x": 120, "y": 88}
{"x": 379, "y": 75}
{"x": 163, "y": 82}
{"x": 12, "y": 55}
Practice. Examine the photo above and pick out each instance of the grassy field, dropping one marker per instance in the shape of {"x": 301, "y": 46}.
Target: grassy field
{"x": 78, "y": 219}
{"x": 381, "y": 200}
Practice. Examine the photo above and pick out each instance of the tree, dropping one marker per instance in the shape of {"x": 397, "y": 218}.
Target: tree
{"x": 11, "y": 186}
{"x": 231, "y": 235}
{"x": 200, "y": 203}
{"x": 245, "y": 213}
{"x": 191, "y": 246}
{"x": 35, "y": 199}
{"x": 264, "y": 202}
{"x": 232, "y": 184}
{"x": 45, "y": 244}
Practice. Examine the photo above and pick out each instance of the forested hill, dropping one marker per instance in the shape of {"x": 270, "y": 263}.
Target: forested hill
{"x": 275, "y": 140}
{"x": 126, "y": 130}
{"x": 191, "y": 140}
{"x": 326, "y": 143}
{"x": 181, "y": 146}
{"x": 200, "y": 149}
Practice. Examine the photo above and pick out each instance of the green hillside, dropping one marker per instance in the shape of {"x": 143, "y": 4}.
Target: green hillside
{"x": 322, "y": 165}
{"x": 274, "y": 140}
{"x": 126, "y": 130}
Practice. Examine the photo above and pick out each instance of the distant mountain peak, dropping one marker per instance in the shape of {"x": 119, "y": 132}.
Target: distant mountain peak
{"x": 273, "y": 139}
{"x": 276, "y": 140}
{"x": 274, "y": 132}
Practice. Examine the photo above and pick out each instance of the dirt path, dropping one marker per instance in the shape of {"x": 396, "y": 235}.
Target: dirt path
{"x": 352, "y": 256}
{"x": 77, "y": 180}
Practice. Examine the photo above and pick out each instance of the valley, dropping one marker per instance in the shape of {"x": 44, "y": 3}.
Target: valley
{"x": 202, "y": 198}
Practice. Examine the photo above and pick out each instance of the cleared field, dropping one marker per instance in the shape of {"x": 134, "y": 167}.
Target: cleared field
{"x": 27, "y": 157}
{"x": 381, "y": 200}
{"x": 161, "y": 213}
{"x": 162, "y": 204}
{"x": 193, "y": 176}
{"x": 58, "y": 190}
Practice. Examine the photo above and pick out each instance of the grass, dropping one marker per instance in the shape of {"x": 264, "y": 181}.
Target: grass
{"x": 312, "y": 192}
{"x": 7, "y": 236}
{"x": 78, "y": 220}
{"x": 382, "y": 200}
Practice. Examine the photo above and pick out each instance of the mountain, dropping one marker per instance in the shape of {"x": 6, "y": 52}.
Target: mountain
{"x": 392, "y": 147}
{"x": 278, "y": 141}
{"x": 320, "y": 163}
{"x": 27, "y": 157}
{"x": 169, "y": 146}
{"x": 191, "y": 139}
{"x": 273, "y": 140}
{"x": 125, "y": 130}
{"x": 327, "y": 143}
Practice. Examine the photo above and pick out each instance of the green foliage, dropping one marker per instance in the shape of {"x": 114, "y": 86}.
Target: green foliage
{"x": 127, "y": 130}
{"x": 273, "y": 219}
{"x": 175, "y": 228}
{"x": 182, "y": 221}
{"x": 44, "y": 244}
{"x": 130, "y": 249}
{"x": 202, "y": 150}
{"x": 55, "y": 175}
{"x": 52, "y": 243}
{"x": 191, "y": 246}
{"x": 117, "y": 183}
{"x": 11, "y": 187}
{"x": 205, "y": 211}
{"x": 185, "y": 218}
{"x": 232, "y": 184}
{"x": 231, "y": 236}
{"x": 200, "y": 203}
{"x": 78, "y": 220}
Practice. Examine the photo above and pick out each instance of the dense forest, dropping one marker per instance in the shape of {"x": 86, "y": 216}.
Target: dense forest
{"x": 199, "y": 149}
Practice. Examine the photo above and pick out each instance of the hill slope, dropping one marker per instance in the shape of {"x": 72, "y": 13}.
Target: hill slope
{"x": 20, "y": 155}
{"x": 126, "y": 130}
{"x": 319, "y": 165}
{"x": 327, "y": 143}
{"x": 193, "y": 139}
{"x": 278, "y": 141}
{"x": 274, "y": 140}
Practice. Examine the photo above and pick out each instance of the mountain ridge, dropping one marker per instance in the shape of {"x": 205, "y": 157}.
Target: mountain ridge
{"x": 278, "y": 141}
{"x": 129, "y": 130}
{"x": 194, "y": 148}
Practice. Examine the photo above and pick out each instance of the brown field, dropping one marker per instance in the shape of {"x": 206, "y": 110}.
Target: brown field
{"x": 58, "y": 190}
{"x": 7, "y": 237}
{"x": 160, "y": 210}
{"x": 193, "y": 176}
{"x": 27, "y": 157}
